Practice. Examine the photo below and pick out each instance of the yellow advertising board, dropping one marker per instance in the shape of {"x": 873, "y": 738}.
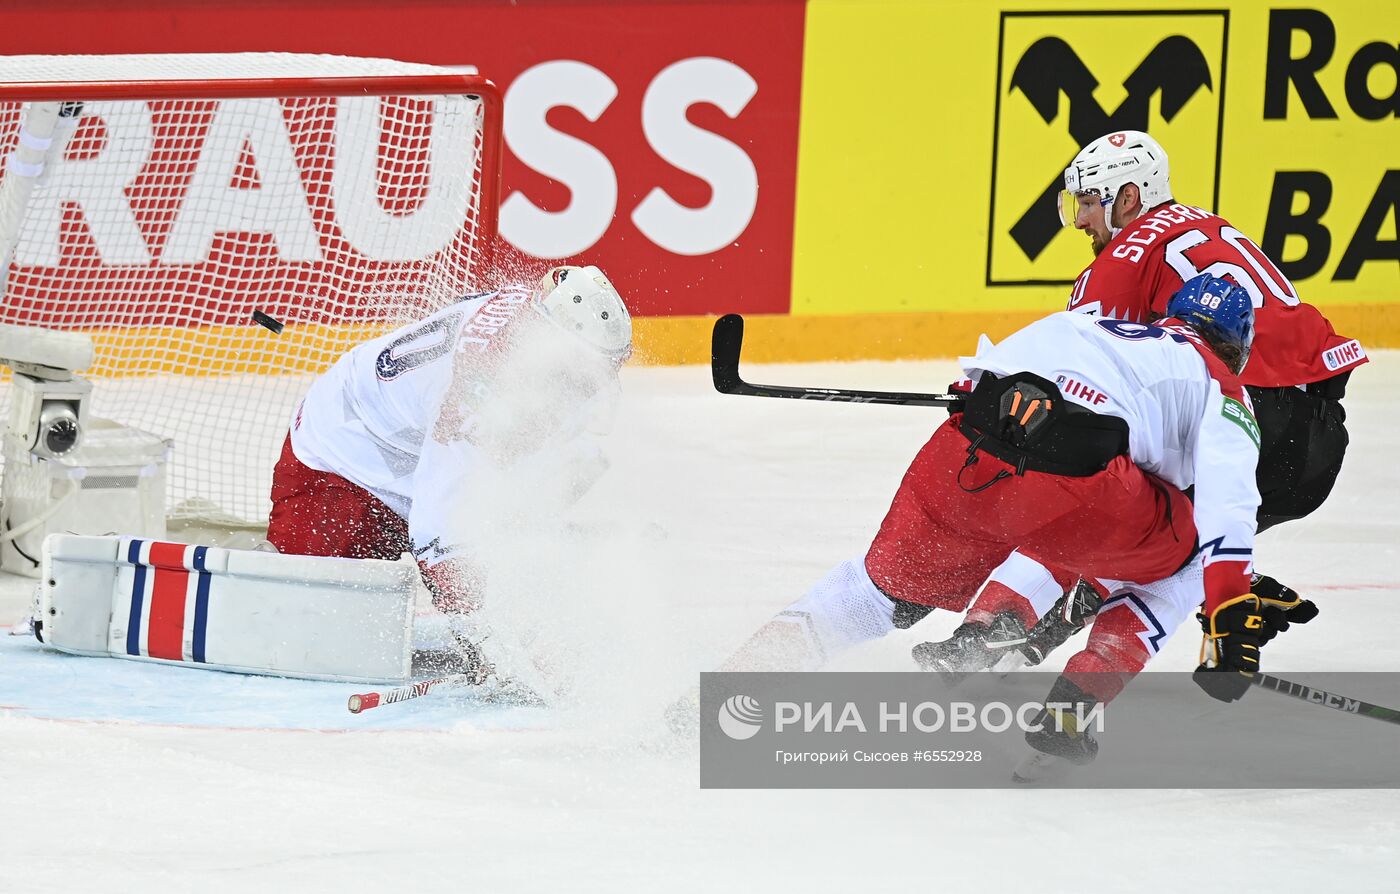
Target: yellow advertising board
{"x": 933, "y": 135}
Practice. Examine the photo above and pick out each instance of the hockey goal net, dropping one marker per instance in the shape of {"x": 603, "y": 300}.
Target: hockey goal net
{"x": 156, "y": 202}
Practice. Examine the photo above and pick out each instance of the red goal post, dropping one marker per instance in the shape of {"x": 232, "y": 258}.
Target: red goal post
{"x": 156, "y": 202}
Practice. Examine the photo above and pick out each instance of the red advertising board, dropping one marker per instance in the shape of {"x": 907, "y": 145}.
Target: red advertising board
{"x": 655, "y": 139}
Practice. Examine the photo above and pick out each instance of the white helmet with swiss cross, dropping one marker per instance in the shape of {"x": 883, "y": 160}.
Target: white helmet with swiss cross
{"x": 1108, "y": 164}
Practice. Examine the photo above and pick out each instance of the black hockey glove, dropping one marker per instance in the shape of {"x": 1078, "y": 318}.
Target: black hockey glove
{"x": 1230, "y": 653}
{"x": 961, "y": 390}
{"x": 1282, "y": 606}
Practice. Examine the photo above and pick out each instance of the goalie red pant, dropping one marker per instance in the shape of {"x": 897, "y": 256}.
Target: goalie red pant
{"x": 318, "y": 513}
{"x": 950, "y": 524}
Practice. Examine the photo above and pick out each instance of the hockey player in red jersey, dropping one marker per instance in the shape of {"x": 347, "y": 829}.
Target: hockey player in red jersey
{"x": 1076, "y": 443}
{"x": 1146, "y": 245}
{"x": 393, "y": 447}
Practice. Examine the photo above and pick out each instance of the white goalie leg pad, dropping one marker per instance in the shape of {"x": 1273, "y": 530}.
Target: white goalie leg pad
{"x": 245, "y": 611}
{"x": 843, "y": 610}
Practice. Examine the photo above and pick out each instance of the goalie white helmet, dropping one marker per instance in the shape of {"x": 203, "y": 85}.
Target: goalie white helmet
{"x": 1108, "y": 164}
{"x": 581, "y": 301}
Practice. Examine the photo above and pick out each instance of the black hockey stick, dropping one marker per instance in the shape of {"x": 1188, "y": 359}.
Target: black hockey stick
{"x": 1332, "y": 700}
{"x": 724, "y": 366}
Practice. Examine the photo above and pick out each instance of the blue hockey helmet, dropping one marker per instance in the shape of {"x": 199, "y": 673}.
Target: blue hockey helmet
{"x": 1220, "y": 311}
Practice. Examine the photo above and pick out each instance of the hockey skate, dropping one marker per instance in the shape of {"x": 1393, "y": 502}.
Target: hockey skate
{"x": 1057, "y": 743}
{"x": 463, "y": 660}
{"x": 1039, "y": 767}
{"x": 1054, "y": 751}
{"x": 455, "y": 650}
{"x": 973, "y": 647}
{"x": 682, "y": 716}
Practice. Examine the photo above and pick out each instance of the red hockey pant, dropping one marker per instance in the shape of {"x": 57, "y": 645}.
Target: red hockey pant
{"x": 321, "y": 514}
{"x": 939, "y": 542}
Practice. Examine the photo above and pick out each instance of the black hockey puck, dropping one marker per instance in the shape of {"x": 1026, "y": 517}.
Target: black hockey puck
{"x": 264, "y": 320}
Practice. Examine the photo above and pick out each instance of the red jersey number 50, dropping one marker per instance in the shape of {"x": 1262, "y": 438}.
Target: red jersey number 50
{"x": 1233, "y": 255}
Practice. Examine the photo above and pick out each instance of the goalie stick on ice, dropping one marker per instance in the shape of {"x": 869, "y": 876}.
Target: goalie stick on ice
{"x": 363, "y": 701}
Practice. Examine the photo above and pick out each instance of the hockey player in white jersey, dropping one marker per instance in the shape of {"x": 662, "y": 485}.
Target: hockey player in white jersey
{"x": 1118, "y": 191}
{"x": 390, "y": 449}
{"x": 1076, "y": 443}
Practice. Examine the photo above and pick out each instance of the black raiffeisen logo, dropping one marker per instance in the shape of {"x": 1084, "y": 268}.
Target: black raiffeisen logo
{"x": 1173, "y": 72}
{"x": 1065, "y": 79}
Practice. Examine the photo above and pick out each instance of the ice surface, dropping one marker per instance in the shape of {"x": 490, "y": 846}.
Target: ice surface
{"x": 718, "y": 511}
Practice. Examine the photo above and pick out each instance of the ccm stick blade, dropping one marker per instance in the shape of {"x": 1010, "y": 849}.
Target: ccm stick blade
{"x": 727, "y": 343}
{"x": 1324, "y": 698}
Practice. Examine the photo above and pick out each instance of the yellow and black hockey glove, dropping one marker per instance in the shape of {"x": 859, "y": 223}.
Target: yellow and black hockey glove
{"x": 1230, "y": 652}
{"x": 1282, "y": 606}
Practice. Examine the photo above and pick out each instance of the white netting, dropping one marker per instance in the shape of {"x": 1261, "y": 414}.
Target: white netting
{"x": 201, "y": 67}
{"x": 159, "y": 226}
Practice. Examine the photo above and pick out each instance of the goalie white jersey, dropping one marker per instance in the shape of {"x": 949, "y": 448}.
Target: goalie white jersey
{"x": 1190, "y": 421}
{"x": 414, "y": 417}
